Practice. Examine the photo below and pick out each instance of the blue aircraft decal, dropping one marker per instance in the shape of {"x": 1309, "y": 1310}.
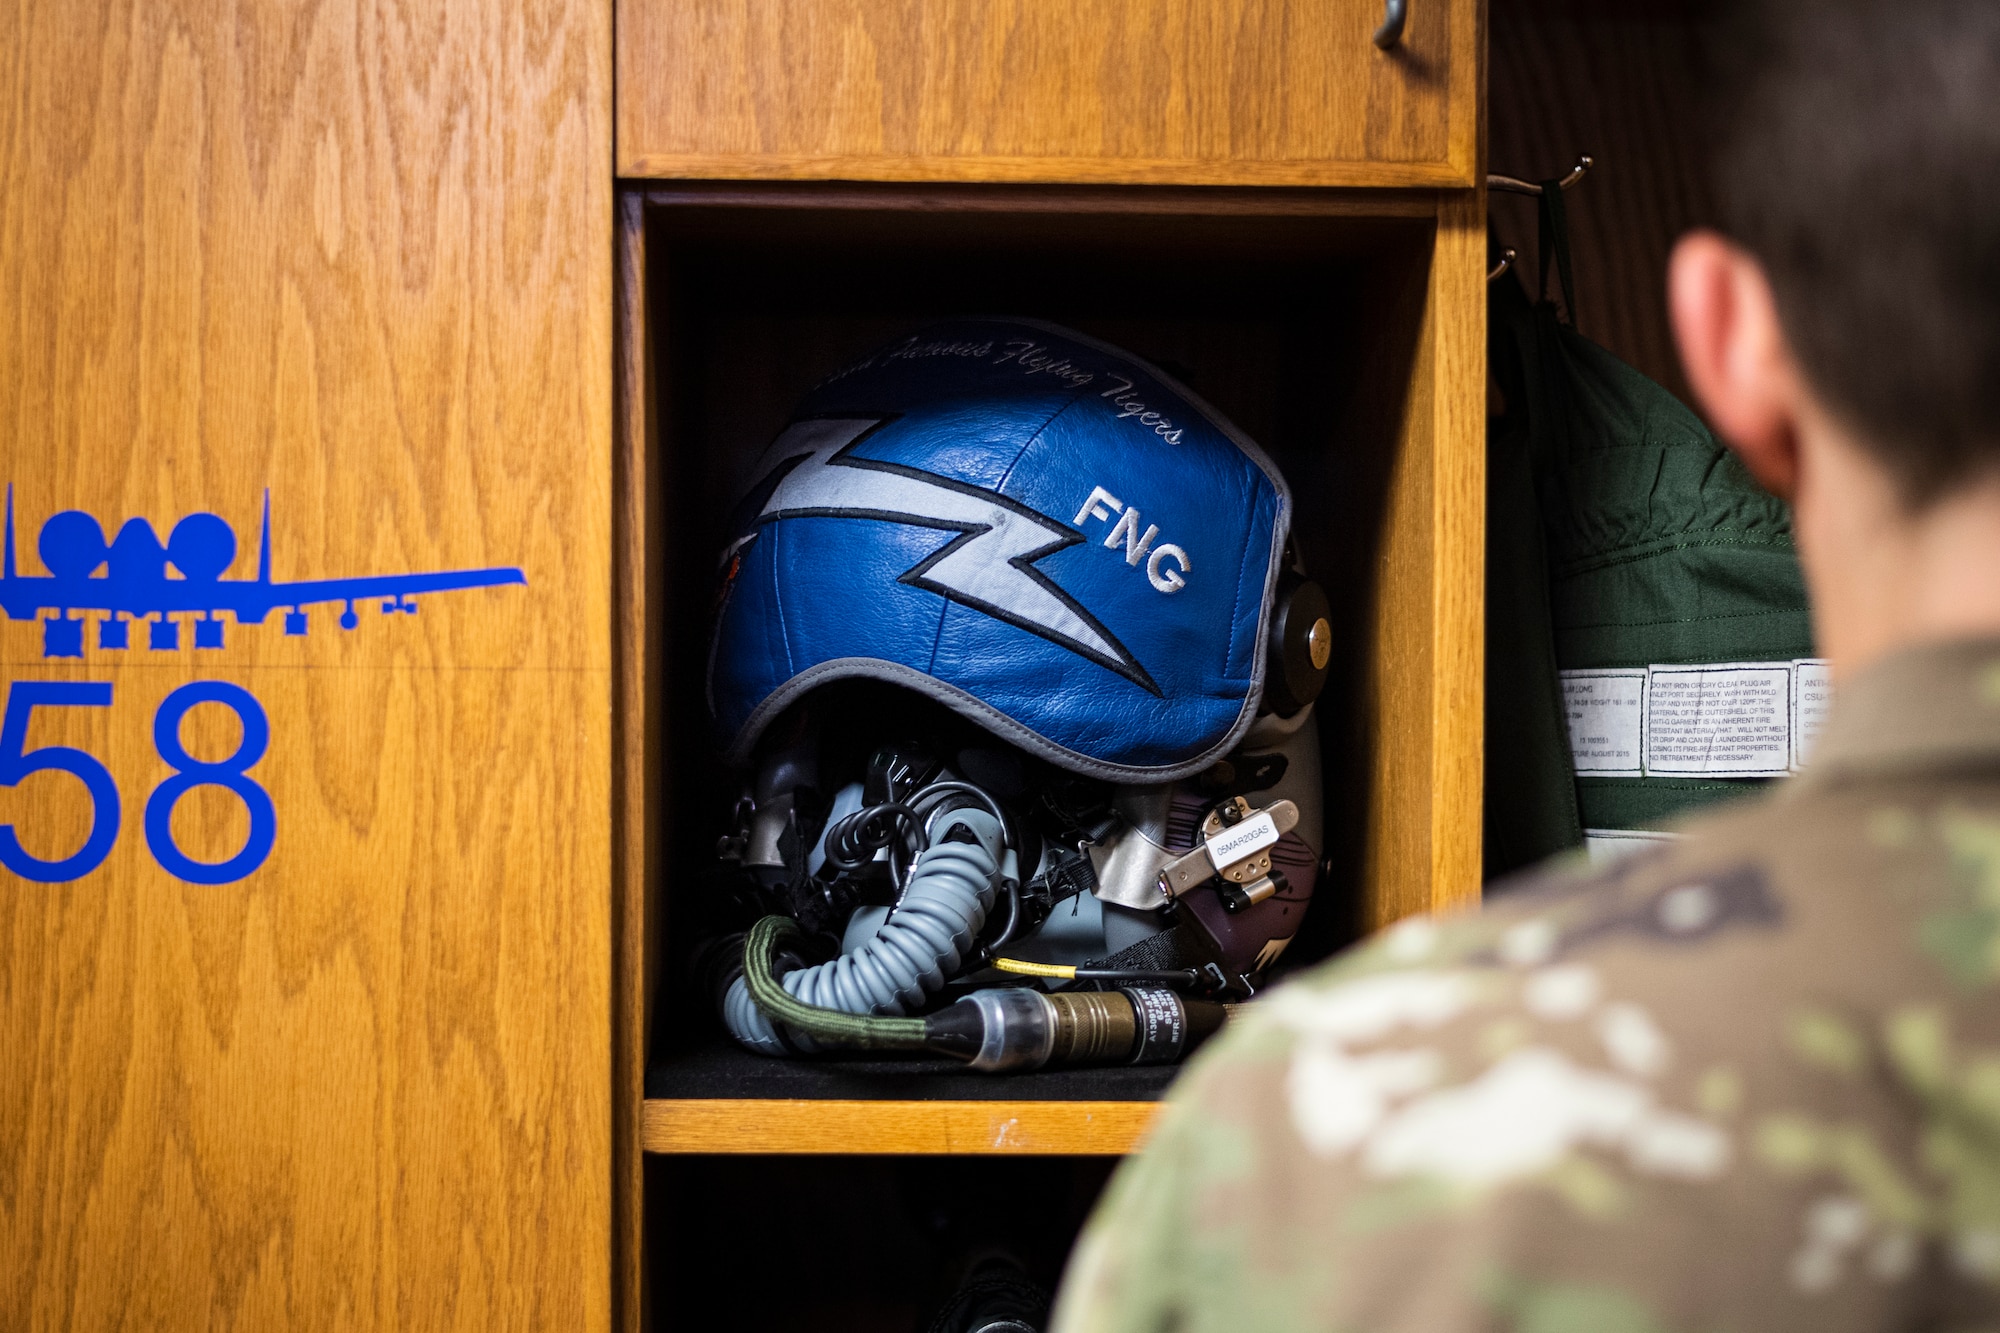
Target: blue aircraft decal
{"x": 135, "y": 587}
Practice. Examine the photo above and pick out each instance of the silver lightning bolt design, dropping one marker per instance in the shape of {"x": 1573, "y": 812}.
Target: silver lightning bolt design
{"x": 990, "y": 568}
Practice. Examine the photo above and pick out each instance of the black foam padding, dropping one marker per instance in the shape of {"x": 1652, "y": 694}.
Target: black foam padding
{"x": 723, "y": 1069}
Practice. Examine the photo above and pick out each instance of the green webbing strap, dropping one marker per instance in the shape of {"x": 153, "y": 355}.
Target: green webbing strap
{"x": 1554, "y": 240}
{"x": 868, "y": 1032}
{"x": 1531, "y": 801}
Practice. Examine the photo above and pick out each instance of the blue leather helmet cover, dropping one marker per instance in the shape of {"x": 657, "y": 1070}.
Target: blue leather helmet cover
{"x": 1039, "y": 530}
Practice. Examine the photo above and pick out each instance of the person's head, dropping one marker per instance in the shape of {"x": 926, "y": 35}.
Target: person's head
{"x": 1843, "y": 330}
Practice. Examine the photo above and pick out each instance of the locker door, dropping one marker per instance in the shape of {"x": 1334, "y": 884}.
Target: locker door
{"x": 304, "y": 922}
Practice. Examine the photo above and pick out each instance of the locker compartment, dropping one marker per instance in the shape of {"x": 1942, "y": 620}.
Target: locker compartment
{"x": 1311, "y": 319}
{"x": 832, "y": 1244}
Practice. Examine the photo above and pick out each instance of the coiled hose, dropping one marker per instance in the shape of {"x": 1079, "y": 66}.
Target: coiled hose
{"x": 868, "y": 1032}
{"x": 945, "y": 900}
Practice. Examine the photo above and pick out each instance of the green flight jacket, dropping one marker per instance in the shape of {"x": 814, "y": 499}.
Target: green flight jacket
{"x": 1620, "y": 534}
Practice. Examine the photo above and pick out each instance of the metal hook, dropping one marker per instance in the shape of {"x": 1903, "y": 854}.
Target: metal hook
{"x": 1515, "y": 185}
{"x": 1507, "y": 257}
{"x": 1394, "y": 14}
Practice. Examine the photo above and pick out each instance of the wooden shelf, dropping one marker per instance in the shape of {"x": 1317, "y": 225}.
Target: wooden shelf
{"x": 907, "y": 1128}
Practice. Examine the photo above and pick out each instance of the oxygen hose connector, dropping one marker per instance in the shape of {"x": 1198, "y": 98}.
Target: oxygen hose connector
{"x": 1017, "y": 1029}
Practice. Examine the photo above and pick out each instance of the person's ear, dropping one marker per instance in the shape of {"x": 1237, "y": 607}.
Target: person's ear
{"x": 1734, "y": 350}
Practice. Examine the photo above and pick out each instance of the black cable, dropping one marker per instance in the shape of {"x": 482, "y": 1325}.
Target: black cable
{"x": 1013, "y": 917}
{"x": 853, "y": 839}
{"x": 1177, "y": 977}
{"x": 1188, "y": 977}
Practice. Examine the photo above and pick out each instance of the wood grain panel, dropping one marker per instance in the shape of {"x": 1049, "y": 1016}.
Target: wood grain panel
{"x": 842, "y": 201}
{"x": 1458, "y": 296}
{"x": 639, "y": 760}
{"x": 1428, "y": 669}
{"x": 896, "y": 1128}
{"x": 358, "y": 255}
{"x": 1199, "y": 92}
{"x": 1621, "y": 80}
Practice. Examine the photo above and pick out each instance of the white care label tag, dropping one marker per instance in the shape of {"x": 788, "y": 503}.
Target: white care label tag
{"x": 1605, "y": 711}
{"x": 1248, "y": 838}
{"x": 1728, "y": 720}
{"x": 1812, "y": 696}
{"x": 1732, "y": 720}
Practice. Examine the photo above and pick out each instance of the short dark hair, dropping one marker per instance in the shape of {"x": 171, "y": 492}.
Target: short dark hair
{"x": 1859, "y": 160}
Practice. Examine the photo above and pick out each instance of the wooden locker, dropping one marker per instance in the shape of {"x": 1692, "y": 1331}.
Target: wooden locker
{"x": 786, "y": 145}
{"x": 355, "y": 259}
{"x": 372, "y": 263}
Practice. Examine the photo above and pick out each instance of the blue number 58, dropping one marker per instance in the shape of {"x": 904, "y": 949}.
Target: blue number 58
{"x": 17, "y": 762}
{"x": 231, "y": 774}
{"x": 228, "y": 774}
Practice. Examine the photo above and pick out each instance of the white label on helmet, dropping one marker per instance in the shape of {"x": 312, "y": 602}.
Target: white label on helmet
{"x": 1248, "y": 838}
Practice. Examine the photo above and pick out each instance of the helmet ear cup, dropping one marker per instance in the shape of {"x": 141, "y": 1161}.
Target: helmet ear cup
{"x": 1300, "y": 645}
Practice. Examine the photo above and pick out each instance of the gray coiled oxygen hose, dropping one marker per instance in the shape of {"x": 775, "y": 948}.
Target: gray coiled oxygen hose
{"x": 950, "y": 888}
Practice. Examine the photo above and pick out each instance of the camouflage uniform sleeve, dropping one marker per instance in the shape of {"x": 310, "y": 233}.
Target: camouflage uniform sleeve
{"x": 1385, "y": 1146}
{"x": 1148, "y": 1260}
{"x": 1485, "y": 1125}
